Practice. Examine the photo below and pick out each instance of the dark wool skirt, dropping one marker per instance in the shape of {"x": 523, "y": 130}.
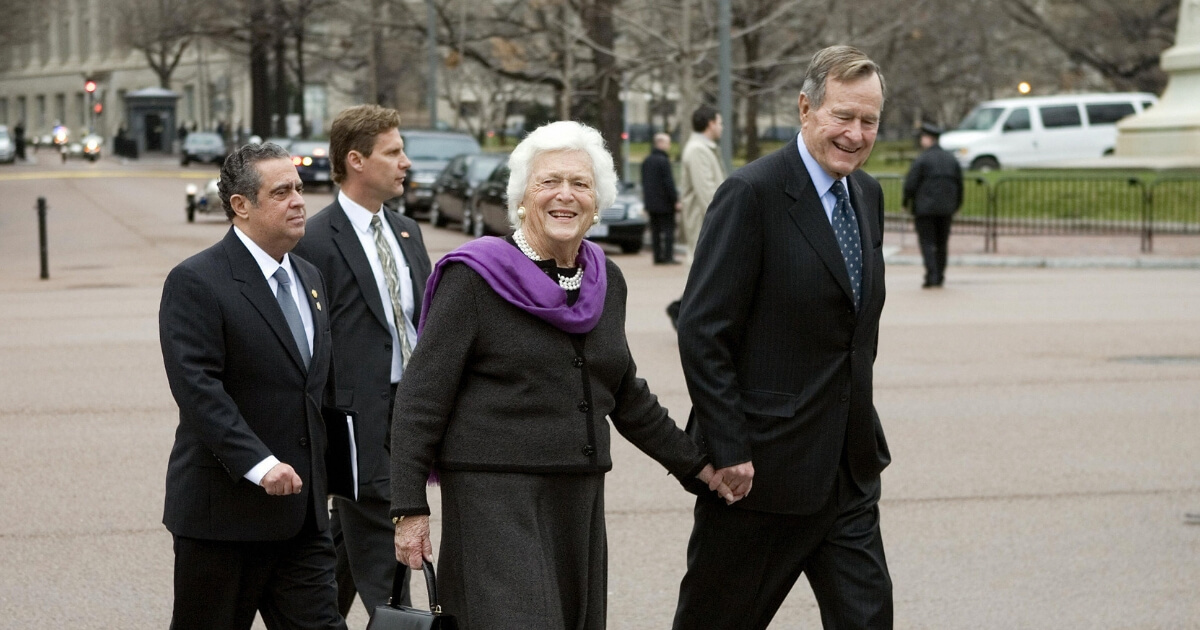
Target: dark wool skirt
{"x": 523, "y": 551}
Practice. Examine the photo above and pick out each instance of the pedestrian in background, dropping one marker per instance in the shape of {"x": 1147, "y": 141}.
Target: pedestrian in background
{"x": 700, "y": 175}
{"x": 661, "y": 198}
{"x": 19, "y": 139}
{"x": 933, "y": 192}
{"x": 375, "y": 265}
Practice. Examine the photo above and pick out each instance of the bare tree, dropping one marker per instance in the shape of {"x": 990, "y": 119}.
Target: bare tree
{"x": 1120, "y": 39}
{"x": 162, "y": 30}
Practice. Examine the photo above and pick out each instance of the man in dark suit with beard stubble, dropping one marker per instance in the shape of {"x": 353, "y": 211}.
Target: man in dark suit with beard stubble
{"x": 778, "y": 333}
{"x": 375, "y": 265}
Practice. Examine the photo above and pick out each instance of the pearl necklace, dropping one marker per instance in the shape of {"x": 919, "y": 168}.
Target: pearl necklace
{"x": 569, "y": 284}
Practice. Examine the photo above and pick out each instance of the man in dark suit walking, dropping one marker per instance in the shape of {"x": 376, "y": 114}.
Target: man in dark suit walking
{"x": 246, "y": 345}
{"x": 375, "y": 264}
{"x": 661, "y": 199}
{"x": 933, "y": 191}
{"x": 777, "y": 335}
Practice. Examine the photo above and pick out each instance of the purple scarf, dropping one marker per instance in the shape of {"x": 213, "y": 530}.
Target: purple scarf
{"x": 514, "y": 277}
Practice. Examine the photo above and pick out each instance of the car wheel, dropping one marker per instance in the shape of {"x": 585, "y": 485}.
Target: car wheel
{"x": 985, "y": 164}
{"x": 435, "y": 215}
{"x": 478, "y": 229}
{"x": 631, "y": 247}
{"x": 467, "y": 221}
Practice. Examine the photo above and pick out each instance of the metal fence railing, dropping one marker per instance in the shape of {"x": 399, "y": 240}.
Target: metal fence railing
{"x": 1031, "y": 205}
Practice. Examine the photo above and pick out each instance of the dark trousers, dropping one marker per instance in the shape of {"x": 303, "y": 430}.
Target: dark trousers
{"x": 221, "y": 584}
{"x": 662, "y": 236}
{"x": 364, "y": 540}
{"x": 742, "y": 564}
{"x": 933, "y": 232}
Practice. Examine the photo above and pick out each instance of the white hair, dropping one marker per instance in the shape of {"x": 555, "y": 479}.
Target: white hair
{"x": 564, "y": 135}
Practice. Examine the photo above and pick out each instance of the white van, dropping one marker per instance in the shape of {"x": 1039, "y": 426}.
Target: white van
{"x": 1039, "y": 130}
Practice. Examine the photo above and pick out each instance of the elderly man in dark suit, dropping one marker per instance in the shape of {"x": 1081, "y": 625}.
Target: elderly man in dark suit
{"x": 246, "y": 344}
{"x": 375, "y": 264}
{"x": 661, "y": 198}
{"x": 933, "y": 191}
{"x": 778, "y": 334}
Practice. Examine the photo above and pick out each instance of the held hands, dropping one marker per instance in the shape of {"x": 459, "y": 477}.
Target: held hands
{"x": 732, "y": 483}
{"x": 280, "y": 480}
{"x": 412, "y": 541}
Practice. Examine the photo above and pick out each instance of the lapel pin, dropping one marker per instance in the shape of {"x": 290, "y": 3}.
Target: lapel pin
{"x": 318, "y": 306}
{"x": 314, "y": 292}
{"x": 404, "y": 235}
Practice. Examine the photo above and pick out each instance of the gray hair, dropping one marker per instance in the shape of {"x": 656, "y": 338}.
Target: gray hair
{"x": 239, "y": 176}
{"x": 564, "y": 135}
{"x": 842, "y": 63}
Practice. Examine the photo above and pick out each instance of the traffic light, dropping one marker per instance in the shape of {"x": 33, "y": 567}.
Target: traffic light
{"x": 98, "y": 108}
{"x": 89, "y": 86}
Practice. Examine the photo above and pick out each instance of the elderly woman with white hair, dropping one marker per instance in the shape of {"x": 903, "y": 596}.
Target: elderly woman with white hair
{"x": 521, "y": 359}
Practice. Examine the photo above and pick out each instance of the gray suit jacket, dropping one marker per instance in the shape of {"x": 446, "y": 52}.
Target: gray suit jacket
{"x": 362, "y": 345}
{"x": 778, "y": 363}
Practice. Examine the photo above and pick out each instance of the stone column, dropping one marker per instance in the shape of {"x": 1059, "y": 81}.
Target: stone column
{"x": 1171, "y": 129}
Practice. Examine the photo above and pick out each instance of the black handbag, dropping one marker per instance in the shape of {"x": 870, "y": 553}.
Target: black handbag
{"x": 393, "y": 616}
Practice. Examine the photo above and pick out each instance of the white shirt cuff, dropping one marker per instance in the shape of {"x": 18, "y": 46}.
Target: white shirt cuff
{"x": 258, "y": 472}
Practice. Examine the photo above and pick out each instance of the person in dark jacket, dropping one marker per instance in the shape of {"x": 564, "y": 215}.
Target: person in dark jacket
{"x": 933, "y": 192}
{"x": 662, "y": 199}
{"x": 521, "y": 356}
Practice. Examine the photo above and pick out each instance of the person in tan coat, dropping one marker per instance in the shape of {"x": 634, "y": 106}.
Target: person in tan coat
{"x": 701, "y": 172}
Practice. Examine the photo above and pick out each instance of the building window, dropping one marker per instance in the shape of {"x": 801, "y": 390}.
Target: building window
{"x": 60, "y": 109}
{"x": 21, "y": 109}
{"x": 81, "y": 107}
{"x": 189, "y": 103}
{"x": 4, "y": 111}
{"x": 64, "y": 31}
{"x": 85, "y": 35}
{"x": 41, "y": 112}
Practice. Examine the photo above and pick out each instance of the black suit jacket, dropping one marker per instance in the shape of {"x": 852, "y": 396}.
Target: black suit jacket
{"x": 243, "y": 394}
{"x": 658, "y": 184}
{"x": 362, "y": 360}
{"x": 778, "y": 362}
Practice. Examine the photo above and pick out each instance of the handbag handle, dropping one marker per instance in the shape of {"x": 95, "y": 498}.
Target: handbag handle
{"x": 430, "y": 585}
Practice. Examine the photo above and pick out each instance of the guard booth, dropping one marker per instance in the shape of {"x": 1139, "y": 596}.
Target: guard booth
{"x": 150, "y": 119}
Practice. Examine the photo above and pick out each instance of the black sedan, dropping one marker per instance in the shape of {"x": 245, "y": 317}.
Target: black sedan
{"x": 454, "y": 188}
{"x": 312, "y": 162}
{"x": 201, "y": 146}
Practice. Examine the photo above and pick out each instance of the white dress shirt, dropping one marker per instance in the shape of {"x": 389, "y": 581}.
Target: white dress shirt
{"x": 269, "y": 266}
{"x": 821, "y": 180}
{"x": 360, "y": 218}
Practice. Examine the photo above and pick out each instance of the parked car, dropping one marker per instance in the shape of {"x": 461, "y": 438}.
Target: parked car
{"x": 8, "y": 148}
{"x": 456, "y": 185}
{"x": 207, "y": 201}
{"x": 202, "y": 146}
{"x": 312, "y": 162}
{"x": 88, "y": 148}
{"x": 622, "y": 224}
{"x": 286, "y": 143}
{"x": 430, "y": 152}
{"x": 1037, "y": 130}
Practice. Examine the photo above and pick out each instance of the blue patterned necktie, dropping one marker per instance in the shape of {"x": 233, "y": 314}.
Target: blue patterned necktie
{"x": 287, "y": 304}
{"x": 845, "y": 228}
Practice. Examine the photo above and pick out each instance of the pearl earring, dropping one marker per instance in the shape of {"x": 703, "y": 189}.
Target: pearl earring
{"x": 521, "y": 213}
{"x": 595, "y": 218}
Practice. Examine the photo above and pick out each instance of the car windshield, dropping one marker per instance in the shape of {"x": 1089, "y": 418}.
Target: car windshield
{"x": 981, "y": 119}
{"x": 203, "y": 140}
{"x": 483, "y": 166}
{"x": 4, "y": 135}
{"x": 438, "y": 148}
{"x": 316, "y": 149}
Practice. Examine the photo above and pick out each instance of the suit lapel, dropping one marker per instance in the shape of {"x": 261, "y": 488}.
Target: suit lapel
{"x": 254, "y": 287}
{"x": 411, "y": 257}
{"x": 809, "y": 215}
{"x": 347, "y": 242}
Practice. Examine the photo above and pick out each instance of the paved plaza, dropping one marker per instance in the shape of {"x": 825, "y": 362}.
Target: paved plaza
{"x": 1044, "y": 424}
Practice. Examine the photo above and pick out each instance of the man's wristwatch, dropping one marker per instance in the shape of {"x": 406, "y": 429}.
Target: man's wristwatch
{"x": 396, "y": 520}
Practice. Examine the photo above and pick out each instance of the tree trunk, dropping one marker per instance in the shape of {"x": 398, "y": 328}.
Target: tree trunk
{"x": 300, "y": 80}
{"x": 260, "y": 76}
{"x": 598, "y": 19}
{"x": 280, "y": 91}
{"x": 751, "y": 47}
